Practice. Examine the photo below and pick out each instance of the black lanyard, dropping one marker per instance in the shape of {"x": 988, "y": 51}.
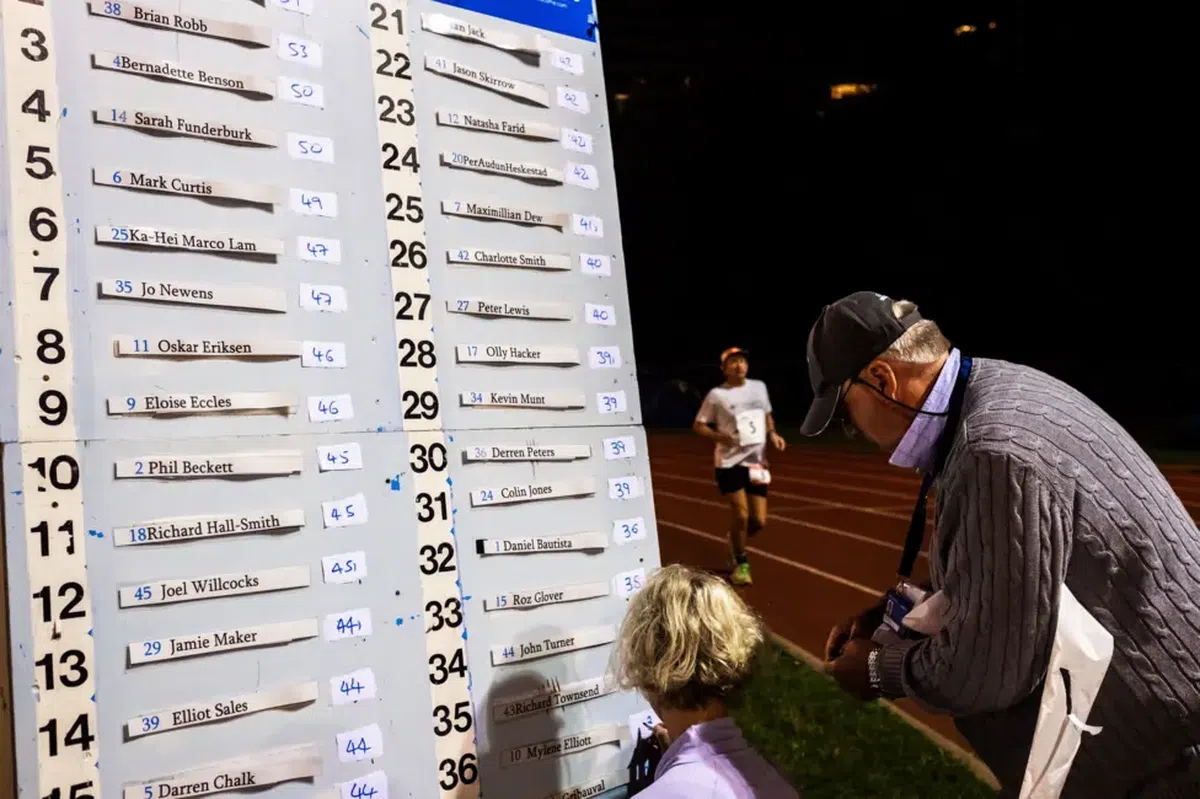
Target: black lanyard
{"x": 941, "y": 449}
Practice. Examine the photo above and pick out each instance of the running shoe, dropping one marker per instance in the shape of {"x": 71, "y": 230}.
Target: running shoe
{"x": 741, "y": 574}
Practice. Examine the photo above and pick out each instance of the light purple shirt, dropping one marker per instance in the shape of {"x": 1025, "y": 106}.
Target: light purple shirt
{"x": 713, "y": 761}
{"x": 916, "y": 449}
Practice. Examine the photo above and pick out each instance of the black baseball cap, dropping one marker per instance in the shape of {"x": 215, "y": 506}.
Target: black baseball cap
{"x": 847, "y": 336}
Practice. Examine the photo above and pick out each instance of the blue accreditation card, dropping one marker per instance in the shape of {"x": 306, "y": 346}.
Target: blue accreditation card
{"x": 896, "y": 609}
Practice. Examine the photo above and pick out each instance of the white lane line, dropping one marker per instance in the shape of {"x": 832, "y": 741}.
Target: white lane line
{"x": 826, "y": 503}
{"x": 871, "y": 592}
{"x": 826, "y": 484}
{"x": 953, "y": 749}
{"x": 780, "y": 465}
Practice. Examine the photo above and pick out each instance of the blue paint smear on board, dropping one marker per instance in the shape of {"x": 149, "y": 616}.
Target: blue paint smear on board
{"x": 575, "y": 18}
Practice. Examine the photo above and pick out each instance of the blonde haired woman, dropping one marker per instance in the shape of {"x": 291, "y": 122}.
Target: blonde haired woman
{"x": 688, "y": 643}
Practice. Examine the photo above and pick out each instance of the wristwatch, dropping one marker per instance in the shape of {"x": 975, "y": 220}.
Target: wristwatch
{"x": 873, "y": 670}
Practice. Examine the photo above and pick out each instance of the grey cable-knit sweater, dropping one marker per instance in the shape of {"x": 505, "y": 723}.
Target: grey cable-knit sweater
{"x": 1041, "y": 484}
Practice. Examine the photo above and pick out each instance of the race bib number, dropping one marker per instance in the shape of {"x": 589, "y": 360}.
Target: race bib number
{"x": 752, "y": 427}
{"x": 759, "y": 475}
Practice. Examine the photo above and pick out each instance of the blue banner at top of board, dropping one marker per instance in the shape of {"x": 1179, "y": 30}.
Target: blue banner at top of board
{"x": 575, "y": 18}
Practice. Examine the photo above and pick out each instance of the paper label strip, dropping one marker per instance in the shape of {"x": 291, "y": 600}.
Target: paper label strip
{"x": 535, "y": 173}
{"x": 540, "y": 647}
{"x": 249, "y": 298}
{"x": 593, "y": 787}
{"x": 522, "y": 260}
{"x": 189, "y": 404}
{"x": 532, "y": 93}
{"x": 240, "y": 464}
{"x": 529, "y": 356}
{"x": 551, "y": 697}
{"x": 560, "y": 747}
{"x": 576, "y": 542}
{"x": 532, "y": 492}
{"x": 223, "y": 708}
{"x": 546, "y": 400}
{"x": 192, "y": 76}
{"x": 162, "y": 347}
{"x": 538, "y": 597}
{"x": 518, "y": 128}
{"x": 189, "y": 528}
{"x": 213, "y": 586}
{"x": 185, "y": 185}
{"x": 210, "y": 643}
{"x": 180, "y": 23}
{"x": 194, "y": 240}
{"x": 513, "y": 452}
{"x": 494, "y": 211}
{"x": 552, "y": 311}
{"x": 238, "y": 774}
{"x": 501, "y": 40}
{"x": 176, "y": 124}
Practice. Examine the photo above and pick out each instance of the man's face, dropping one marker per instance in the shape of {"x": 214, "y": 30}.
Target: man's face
{"x": 735, "y": 367}
{"x": 883, "y": 422}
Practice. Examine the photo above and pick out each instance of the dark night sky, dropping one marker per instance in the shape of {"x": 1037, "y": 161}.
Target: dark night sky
{"x": 1009, "y": 181}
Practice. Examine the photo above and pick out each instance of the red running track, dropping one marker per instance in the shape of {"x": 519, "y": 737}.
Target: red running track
{"x": 832, "y": 543}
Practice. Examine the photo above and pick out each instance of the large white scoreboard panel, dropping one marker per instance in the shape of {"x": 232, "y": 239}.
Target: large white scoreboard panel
{"x": 323, "y": 471}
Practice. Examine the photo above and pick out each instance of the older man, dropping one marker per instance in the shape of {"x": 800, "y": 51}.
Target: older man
{"x": 1041, "y": 498}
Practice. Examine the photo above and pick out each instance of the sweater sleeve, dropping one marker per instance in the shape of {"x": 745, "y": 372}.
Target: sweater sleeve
{"x": 1008, "y": 538}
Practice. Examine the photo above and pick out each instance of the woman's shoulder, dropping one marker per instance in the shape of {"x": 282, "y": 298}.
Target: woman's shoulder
{"x": 719, "y": 779}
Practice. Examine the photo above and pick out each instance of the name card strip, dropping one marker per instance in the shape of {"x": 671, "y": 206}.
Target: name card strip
{"x": 510, "y": 87}
{"x": 552, "y": 400}
{"x": 243, "y": 464}
{"x": 184, "y": 185}
{"x": 593, "y": 787}
{"x": 214, "y": 586}
{"x": 498, "y": 166}
{"x": 532, "y": 492}
{"x": 160, "y": 347}
{"x": 210, "y": 525}
{"x": 181, "y": 23}
{"x": 539, "y": 597}
{"x": 555, "y": 262}
{"x": 518, "y": 128}
{"x": 527, "y": 356}
{"x": 237, "y": 774}
{"x": 224, "y": 708}
{"x": 510, "y": 453}
{"x": 192, "y": 240}
{"x": 560, "y": 747}
{"x": 541, "y": 544}
{"x": 175, "y": 124}
{"x": 178, "y": 404}
{"x": 249, "y": 298}
{"x": 534, "y": 648}
{"x": 501, "y": 40}
{"x": 192, "y": 76}
{"x": 495, "y": 211}
{"x": 506, "y": 309}
{"x": 219, "y": 641}
{"x": 551, "y": 697}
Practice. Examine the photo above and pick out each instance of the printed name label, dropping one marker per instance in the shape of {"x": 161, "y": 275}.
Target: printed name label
{"x": 540, "y": 647}
{"x": 249, "y": 637}
{"x": 170, "y": 404}
{"x": 250, "y": 298}
{"x": 193, "y": 76}
{"x": 551, "y": 697}
{"x": 183, "y": 23}
{"x": 497, "y": 166}
{"x": 532, "y": 492}
{"x": 526, "y": 452}
{"x": 511, "y": 87}
{"x": 523, "y": 260}
{"x": 162, "y": 592}
{"x": 211, "y": 525}
{"x": 547, "y": 400}
{"x": 219, "y": 709}
{"x": 241, "y": 464}
{"x": 164, "y": 347}
{"x": 594, "y": 787}
{"x": 553, "y": 311}
{"x": 522, "y": 129}
{"x": 576, "y": 542}
{"x": 560, "y": 747}
{"x": 184, "y": 185}
{"x": 237, "y": 774}
{"x": 519, "y": 600}
{"x": 195, "y": 240}
{"x": 500, "y": 353}
{"x": 501, "y": 40}
{"x": 496, "y": 212}
{"x": 178, "y": 125}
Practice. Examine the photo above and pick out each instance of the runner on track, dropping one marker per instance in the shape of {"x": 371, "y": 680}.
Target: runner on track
{"x": 740, "y": 410}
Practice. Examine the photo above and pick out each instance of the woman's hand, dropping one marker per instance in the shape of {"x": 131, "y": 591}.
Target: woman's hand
{"x": 777, "y": 441}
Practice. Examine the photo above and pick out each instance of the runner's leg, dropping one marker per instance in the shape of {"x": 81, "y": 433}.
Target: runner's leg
{"x": 739, "y": 521}
{"x": 758, "y": 512}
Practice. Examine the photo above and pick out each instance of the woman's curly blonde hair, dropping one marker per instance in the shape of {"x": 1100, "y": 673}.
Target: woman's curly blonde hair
{"x": 687, "y": 639}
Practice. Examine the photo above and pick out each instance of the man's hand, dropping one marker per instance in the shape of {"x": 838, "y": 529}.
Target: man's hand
{"x": 850, "y": 670}
{"x": 728, "y": 439}
{"x": 777, "y": 441}
{"x": 861, "y": 626}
